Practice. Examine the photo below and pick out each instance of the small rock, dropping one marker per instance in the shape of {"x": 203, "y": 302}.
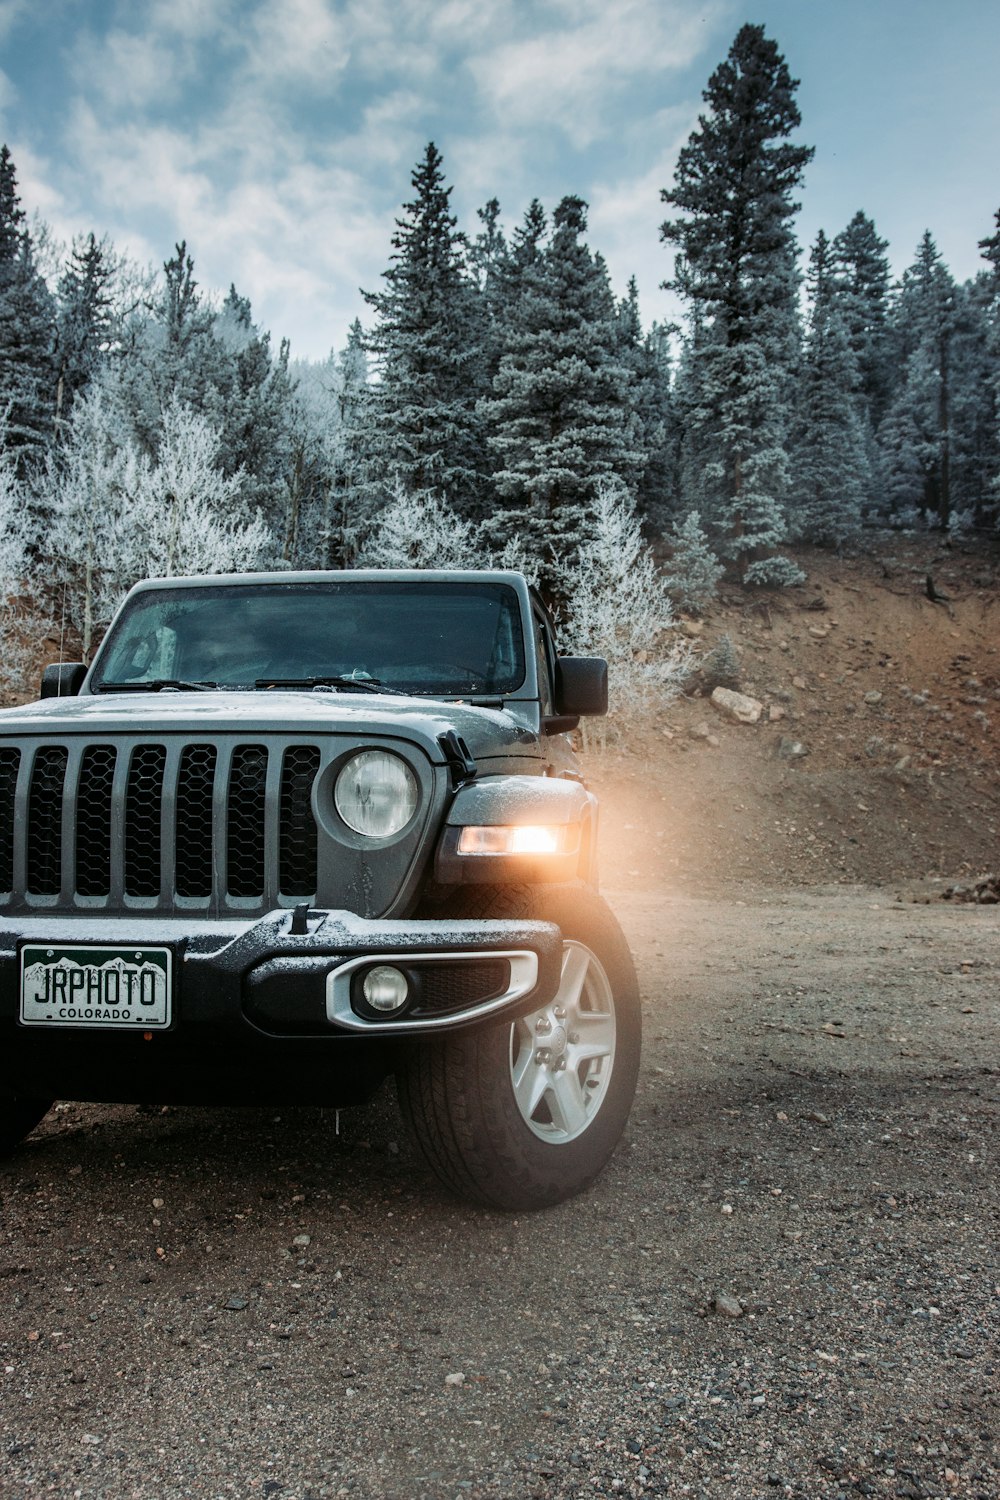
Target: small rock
{"x": 302, "y": 1239}
{"x": 692, "y": 629}
{"x": 789, "y": 749}
{"x": 776, "y": 714}
{"x": 236, "y": 1304}
{"x": 157, "y": 1202}
{"x": 727, "y": 1305}
{"x": 873, "y": 697}
{"x": 800, "y": 683}
{"x": 699, "y": 731}
{"x": 457, "y": 1377}
{"x": 736, "y": 706}
{"x": 727, "y": 1208}
{"x": 818, "y": 632}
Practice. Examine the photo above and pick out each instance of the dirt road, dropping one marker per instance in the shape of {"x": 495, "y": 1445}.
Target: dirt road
{"x": 234, "y": 1304}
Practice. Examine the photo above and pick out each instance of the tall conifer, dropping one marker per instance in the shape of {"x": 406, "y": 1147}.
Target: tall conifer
{"x": 736, "y": 267}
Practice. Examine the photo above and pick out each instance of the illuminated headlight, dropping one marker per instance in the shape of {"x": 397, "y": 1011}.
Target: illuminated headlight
{"x": 562, "y": 838}
{"x": 376, "y": 794}
{"x": 385, "y": 989}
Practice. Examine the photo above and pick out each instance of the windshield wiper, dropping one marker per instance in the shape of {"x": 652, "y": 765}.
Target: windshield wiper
{"x": 156, "y": 685}
{"x": 335, "y": 684}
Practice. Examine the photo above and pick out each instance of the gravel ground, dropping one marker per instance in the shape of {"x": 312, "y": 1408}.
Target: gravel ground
{"x": 785, "y": 1283}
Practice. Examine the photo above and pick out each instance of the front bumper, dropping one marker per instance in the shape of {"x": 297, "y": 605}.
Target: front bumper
{"x": 262, "y": 1013}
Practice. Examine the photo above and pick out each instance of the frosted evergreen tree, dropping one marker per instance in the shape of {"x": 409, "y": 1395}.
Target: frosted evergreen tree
{"x": 925, "y": 327}
{"x": 829, "y": 457}
{"x": 428, "y": 344}
{"x": 860, "y": 270}
{"x": 736, "y": 267}
{"x": 693, "y": 574}
{"x": 990, "y": 248}
{"x": 560, "y": 418}
{"x": 27, "y": 331}
{"x": 84, "y": 321}
{"x": 652, "y": 427}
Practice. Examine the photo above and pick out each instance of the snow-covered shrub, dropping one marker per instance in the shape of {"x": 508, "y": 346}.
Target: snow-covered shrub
{"x": 694, "y": 572}
{"x": 417, "y": 529}
{"x": 618, "y": 607}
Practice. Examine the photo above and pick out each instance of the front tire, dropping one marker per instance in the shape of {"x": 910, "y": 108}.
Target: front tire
{"x": 522, "y": 1115}
{"x": 18, "y": 1117}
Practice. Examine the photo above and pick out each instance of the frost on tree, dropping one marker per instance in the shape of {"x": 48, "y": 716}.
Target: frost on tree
{"x": 736, "y": 267}
{"x": 561, "y": 417}
{"x": 113, "y": 515}
{"x": 27, "y": 332}
{"x": 618, "y": 607}
{"x": 428, "y": 351}
{"x": 693, "y": 573}
{"x": 829, "y": 457}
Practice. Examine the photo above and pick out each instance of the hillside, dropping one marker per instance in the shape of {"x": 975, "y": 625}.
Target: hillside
{"x": 893, "y": 701}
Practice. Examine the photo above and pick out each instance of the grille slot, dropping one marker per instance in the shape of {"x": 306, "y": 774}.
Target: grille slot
{"x": 45, "y": 821}
{"x": 10, "y": 761}
{"x": 193, "y": 842}
{"x": 143, "y": 797}
{"x": 297, "y": 827}
{"x": 93, "y": 820}
{"x": 245, "y": 821}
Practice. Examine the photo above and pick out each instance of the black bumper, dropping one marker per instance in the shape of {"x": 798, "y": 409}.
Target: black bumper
{"x": 261, "y": 1014}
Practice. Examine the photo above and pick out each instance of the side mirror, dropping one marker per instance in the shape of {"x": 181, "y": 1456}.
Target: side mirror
{"x": 581, "y": 685}
{"x": 63, "y": 679}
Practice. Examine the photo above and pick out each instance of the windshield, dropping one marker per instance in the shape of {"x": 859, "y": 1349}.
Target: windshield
{"x": 443, "y": 639}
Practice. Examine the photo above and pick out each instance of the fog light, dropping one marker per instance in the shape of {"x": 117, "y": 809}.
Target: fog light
{"x": 385, "y": 989}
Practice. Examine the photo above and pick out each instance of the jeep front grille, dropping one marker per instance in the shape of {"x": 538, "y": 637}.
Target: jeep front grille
{"x": 158, "y": 825}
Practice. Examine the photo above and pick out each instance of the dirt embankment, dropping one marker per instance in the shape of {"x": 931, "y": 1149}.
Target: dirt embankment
{"x": 877, "y": 755}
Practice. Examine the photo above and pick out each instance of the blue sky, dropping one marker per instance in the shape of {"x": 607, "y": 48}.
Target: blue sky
{"x": 277, "y": 136}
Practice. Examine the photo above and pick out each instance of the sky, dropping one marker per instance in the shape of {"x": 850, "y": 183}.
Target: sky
{"x": 277, "y": 137}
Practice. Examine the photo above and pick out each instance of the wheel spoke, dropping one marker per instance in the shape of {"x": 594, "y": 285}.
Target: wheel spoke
{"x": 597, "y": 1036}
{"x": 567, "y": 1102}
{"x": 575, "y": 965}
{"x": 530, "y": 1082}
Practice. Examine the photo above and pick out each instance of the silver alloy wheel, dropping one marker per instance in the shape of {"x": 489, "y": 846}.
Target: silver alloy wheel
{"x": 562, "y": 1056}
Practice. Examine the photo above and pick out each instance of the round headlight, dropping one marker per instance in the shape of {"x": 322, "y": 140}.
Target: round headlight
{"x": 376, "y": 794}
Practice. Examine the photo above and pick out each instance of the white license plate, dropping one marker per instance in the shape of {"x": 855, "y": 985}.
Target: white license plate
{"x": 85, "y": 985}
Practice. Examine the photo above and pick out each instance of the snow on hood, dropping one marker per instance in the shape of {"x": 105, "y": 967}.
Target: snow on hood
{"x": 487, "y": 731}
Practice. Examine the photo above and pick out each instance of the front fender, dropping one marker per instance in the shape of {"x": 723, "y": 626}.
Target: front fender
{"x": 520, "y": 802}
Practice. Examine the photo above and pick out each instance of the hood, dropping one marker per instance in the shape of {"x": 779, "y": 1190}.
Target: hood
{"x": 488, "y": 732}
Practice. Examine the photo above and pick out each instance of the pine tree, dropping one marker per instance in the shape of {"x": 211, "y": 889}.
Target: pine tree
{"x": 860, "y": 270}
{"x": 829, "y": 460}
{"x": 925, "y": 328}
{"x": 27, "y": 331}
{"x": 737, "y": 268}
{"x": 651, "y": 436}
{"x": 693, "y": 574}
{"x": 990, "y": 248}
{"x": 560, "y": 416}
{"x": 428, "y": 343}
{"x": 84, "y": 321}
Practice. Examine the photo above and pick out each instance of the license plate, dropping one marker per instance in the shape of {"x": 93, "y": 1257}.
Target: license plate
{"x": 121, "y": 987}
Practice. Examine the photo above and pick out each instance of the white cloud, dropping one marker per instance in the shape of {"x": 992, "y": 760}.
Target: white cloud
{"x": 562, "y": 76}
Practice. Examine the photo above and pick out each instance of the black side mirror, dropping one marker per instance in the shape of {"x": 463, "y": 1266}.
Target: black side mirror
{"x": 63, "y": 679}
{"x": 581, "y": 685}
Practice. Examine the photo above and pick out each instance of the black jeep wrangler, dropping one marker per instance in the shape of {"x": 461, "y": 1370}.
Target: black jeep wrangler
{"x": 293, "y": 832}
